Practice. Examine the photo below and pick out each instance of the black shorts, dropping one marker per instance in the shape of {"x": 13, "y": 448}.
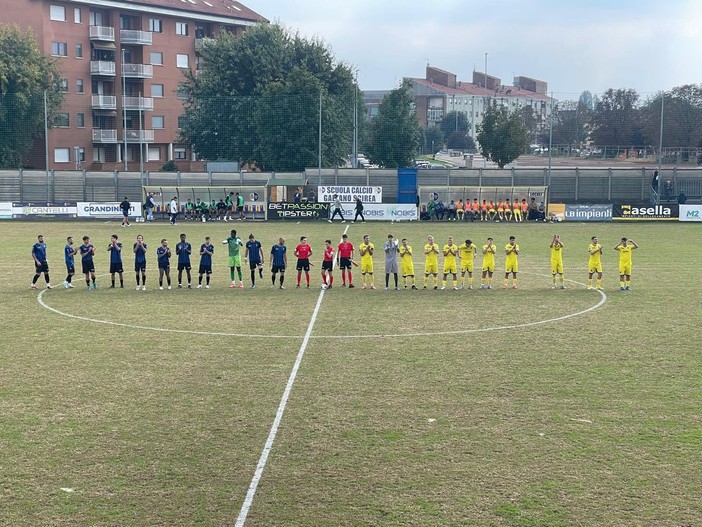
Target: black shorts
{"x": 303, "y": 264}
{"x": 140, "y": 267}
{"x": 116, "y": 268}
{"x": 229, "y": 208}
{"x": 253, "y": 265}
{"x": 185, "y": 266}
{"x": 344, "y": 263}
{"x": 277, "y": 268}
{"x": 88, "y": 267}
{"x": 205, "y": 269}
{"x": 125, "y": 214}
{"x": 240, "y": 208}
{"x": 165, "y": 267}
{"x": 327, "y": 265}
{"x": 70, "y": 269}
{"x": 43, "y": 267}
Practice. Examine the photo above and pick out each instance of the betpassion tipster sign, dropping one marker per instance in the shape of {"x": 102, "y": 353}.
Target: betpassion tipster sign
{"x": 298, "y": 211}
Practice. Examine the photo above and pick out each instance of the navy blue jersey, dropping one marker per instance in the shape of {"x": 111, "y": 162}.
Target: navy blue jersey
{"x": 68, "y": 253}
{"x": 140, "y": 253}
{"x": 115, "y": 253}
{"x": 164, "y": 255}
{"x": 183, "y": 250}
{"x": 254, "y": 247}
{"x": 86, "y": 252}
{"x": 39, "y": 251}
{"x": 278, "y": 255}
{"x": 205, "y": 258}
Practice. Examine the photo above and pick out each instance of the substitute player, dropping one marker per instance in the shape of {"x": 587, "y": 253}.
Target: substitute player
{"x": 511, "y": 263}
{"x": 235, "y": 244}
{"x": 467, "y": 252}
{"x": 40, "y": 263}
{"x": 328, "y": 265}
{"x": 115, "y": 250}
{"x": 450, "y": 251}
{"x": 183, "y": 250}
{"x": 594, "y": 263}
{"x": 139, "y": 250}
{"x": 303, "y": 251}
{"x": 279, "y": 261}
{"x": 344, "y": 253}
{"x": 69, "y": 253}
{"x": 87, "y": 250}
{"x": 206, "y": 252}
{"x": 489, "y": 251}
{"x": 625, "y": 248}
{"x": 556, "y": 260}
{"x": 517, "y": 211}
{"x": 366, "y": 250}
{"x": 431, "y": 262}
{"x": 407, "y": 263}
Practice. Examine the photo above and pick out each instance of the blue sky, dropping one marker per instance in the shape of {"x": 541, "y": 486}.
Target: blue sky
{"x": 573, "y": 45}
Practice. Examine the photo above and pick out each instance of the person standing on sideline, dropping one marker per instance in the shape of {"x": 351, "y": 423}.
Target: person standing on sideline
{"x": 40, "y": 263}
{"x": 240, "y": 206}
{"x": 234, "y": 243}
{"x": 206, "y": 252}
{"x": 489, "y": 251}
{"x": 625, "y": 248}
{"x": 467, "y": 253}
{"x": 279, "y": 261}
{"x": 391, "y": 248}
{"x": 359, "y": 210}
{"x": 431, "y": 262}
{"x": 366, "y": 250}
{"x": 328, "y": 265}
{"x": 450, "y": 250}
{"x": 163, "y": 253}
{"x": 303, "y": 251}
{"x": 229, "y": 203}
{"x": 337, "y": 210}
{"x": 344, "y": 258}
{"x": 125, "y": 206}
{"x": 254, "y": 255}
{"x": 183, "y": 250}
{"x": 115, "y": 250}
{"x": 297, "y": 197}
{"x": 511, "y": 263}
{"x": 557, "y": 260}
{"x": 87, "y": 251}
{"x": 69, "y": 253}
{"x": 150, "y": 205}
{"x": 139, "y": 250}
{"x": 407, "y": 263}
{"x": 173, "y": 209}
{"x": 594, "y": 263}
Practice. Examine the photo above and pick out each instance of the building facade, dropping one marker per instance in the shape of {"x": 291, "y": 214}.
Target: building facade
{"x": 122, "y": 62}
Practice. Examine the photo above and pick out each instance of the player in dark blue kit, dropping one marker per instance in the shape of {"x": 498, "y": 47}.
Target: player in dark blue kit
{"x": 87, "y": 250}
{"x": 279, "y": 261}
{"x": 206, "y": 252}
{"x": 69, "y": 253}
{"x": 140, "y": 262}
{"x": 40, "y": 263}
{"x": 183, "y": 250}
{"x": 163, "y": 253}
{"x": 254, "y": 255}
{"x": 115, "y": 250}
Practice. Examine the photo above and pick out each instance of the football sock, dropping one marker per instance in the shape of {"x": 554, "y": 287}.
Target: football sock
{"x": 598, "y": 283}
{"x": 231, "y": 273}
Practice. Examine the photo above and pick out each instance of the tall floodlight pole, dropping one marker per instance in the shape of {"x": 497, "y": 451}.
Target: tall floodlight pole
{"x": 124, "y": 111}
{"x": 141, "y": 139}
{"x": 46, "y": 143}
{"x": 319, "y": 153}
{"x": 660, "y": 150}
{"x": 550, "y": 141}
{"x": 354, "y": 150}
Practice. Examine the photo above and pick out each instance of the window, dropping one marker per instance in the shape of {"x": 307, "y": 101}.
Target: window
{"x": 182, "y": 29}
{"x": 62, "y": 120}
{"x": 157, "y": 121}
{"x": 77, "y": 15}
{"x": 79, "y": 86}
{"x": 154, "y": 154}
{"x": 59, "y": 49}
{"x": 96, "y": 18}
{"x": 57, "y": 12}
{"x": 182, "y": 92}
{"x": 125, "y": 22}
{"x": 79, "y": 51}
{"x": 156, "y": 58}
{"x": 80, "y": 120}
{"x": 181, "y": 60}
{"x": 155, "y": 25}
{"x": 62, "y": 155}
{"x": 157, "y": 90}
{"x": 64, "y": 85}
{"x": 179, "y": 153}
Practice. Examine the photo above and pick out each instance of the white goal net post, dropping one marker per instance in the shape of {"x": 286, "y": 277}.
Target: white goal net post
{"x": 255, "y": 197}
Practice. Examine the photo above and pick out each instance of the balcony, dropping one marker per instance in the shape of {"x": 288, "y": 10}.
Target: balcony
{"x": 103, "y": 33}
{"x": 138, "y": 71}
{"x": 104, "y": 136}
{"x": 201, "y": 42}
{"x": 139, "y": 103}
{"x": 103, "y": 102}
{"x": 134, "y": 36}
{"x": 102, "y": 67}
{"x": 140, "y": 136}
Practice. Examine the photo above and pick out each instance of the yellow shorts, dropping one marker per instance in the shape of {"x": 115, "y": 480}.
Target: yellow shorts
{"x": 431, "y": 268}
{"x": 557, "y": 267}
{"x": 489, "y": 268}
{"x": 596, "y": 269}
{"x": 450, "y": 267}
{"x": 625, "y": 269}
{"x": 408, "y": 269}
{"x": 467, "y": 266}
{"x": 513, "y": 268}
{"x": 366, "y": 267}
{"x": 517, "y": 212}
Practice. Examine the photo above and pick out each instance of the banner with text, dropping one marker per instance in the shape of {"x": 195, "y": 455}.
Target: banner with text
{"x": 646, "y": 212}
{"x": 6, "y": 210}
{"x": 348, "y": 194}
{"x": 588, "y": 212}
{"x": 43, "y": 210}
{"x": 298, "y": 211}
{"x": 104, "y": 210}
{"x": 382, "y": 212}
{"x": 690, "y": 213}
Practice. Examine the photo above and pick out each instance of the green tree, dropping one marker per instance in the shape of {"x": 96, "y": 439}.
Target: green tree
{"x": 25, "y": 73}
{"x": 503, "y": 136}
{"x": 682, "y": 118}
{"x": 394, "y": 132}
{"x": 431, "y": 139}
{"x": 256, "y": 100}
{"x": 570, "y": 120}
{"x": 454, "y": 122}
{"x": 617, "y": 119}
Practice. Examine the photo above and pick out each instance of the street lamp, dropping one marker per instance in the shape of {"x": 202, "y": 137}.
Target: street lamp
{"x": 124, "y": 110}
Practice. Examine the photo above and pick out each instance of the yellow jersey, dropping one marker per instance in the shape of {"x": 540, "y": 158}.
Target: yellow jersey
{"x": 367, "y": 256}
{"x": 511, "y": 258}
{"x": 467, "y": 252}
{"x": 406, "y": 252}
{"x": 489, "y": 255}
{"x": 556, "y": 253}
{"x": 595, "y": 259}
{"x": 625, "y": 254}
{"x": 431, "y": 257}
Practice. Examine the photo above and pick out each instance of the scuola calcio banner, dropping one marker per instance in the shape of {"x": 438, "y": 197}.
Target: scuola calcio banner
{"x": 348, "y": 194}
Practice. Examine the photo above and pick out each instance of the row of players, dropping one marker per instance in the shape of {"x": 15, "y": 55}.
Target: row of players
{"x": 343, "y": 254}
{"x": 502, "y": 210}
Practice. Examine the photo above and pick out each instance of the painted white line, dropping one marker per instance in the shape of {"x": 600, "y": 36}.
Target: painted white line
{"x": 261, "y": 465}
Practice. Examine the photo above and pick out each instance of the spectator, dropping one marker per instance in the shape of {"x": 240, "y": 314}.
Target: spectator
{"x": 654, "y": 182}
{"x": 533, "y": 210}
{"x": 297, "y": 198}
{"x": 431, "y": 209}
{"x": 439, "y": 210}
{"x": 451, "y": 211}
{"x": 668, "y": 190}
{"x": 682, "y": 198}
{"x": 541, "y": 212}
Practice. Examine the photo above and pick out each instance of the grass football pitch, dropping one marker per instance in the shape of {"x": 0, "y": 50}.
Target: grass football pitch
{"x": 526, "y": 407}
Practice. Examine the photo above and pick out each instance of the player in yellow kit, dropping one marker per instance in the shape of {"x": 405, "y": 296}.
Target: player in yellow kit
{"x": 431, "y": 262}
{"x": 406, "y": 263}
{"x": 489, "y": 251}
{"x": 556, "y": 260}
{"x": 467, "y": 252}
{"x": 450, "y": 251}
{"x": 594, "y": 264}
{"x": 516, "y": 209}
{"x": 625, "y": 248}
{"x": 511, "y": 263}
{"x": 366, "y": 250}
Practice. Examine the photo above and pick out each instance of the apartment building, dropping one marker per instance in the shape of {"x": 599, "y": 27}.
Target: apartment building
{"x": 123, "y": 62}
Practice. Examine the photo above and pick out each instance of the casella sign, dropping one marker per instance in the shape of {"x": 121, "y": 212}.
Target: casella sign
{"x": 649, "y": 213}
